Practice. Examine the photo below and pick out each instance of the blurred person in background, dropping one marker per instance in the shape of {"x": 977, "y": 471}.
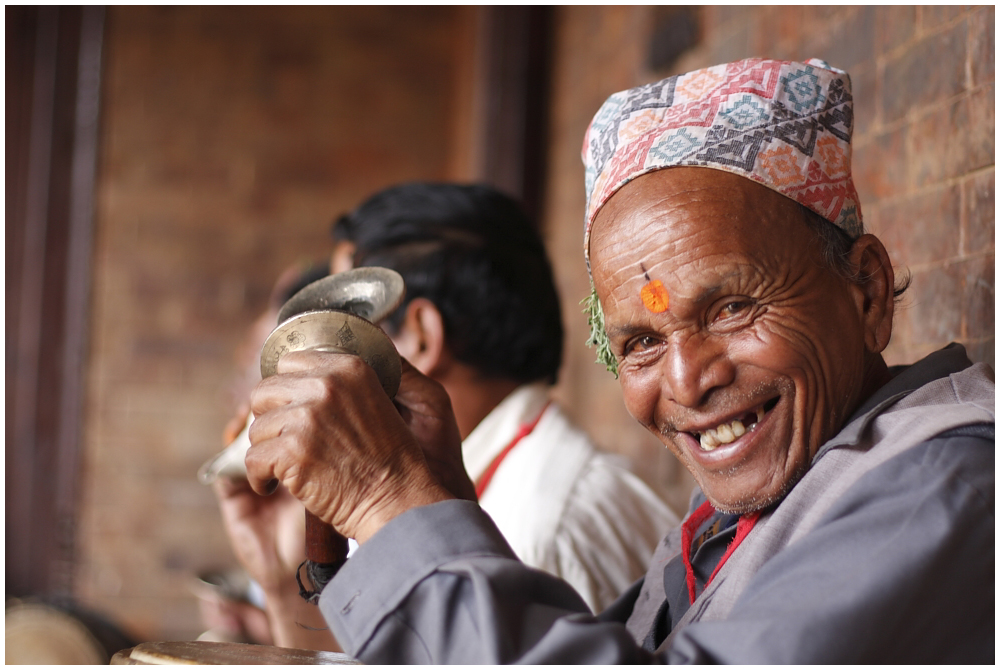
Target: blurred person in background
{"x": 482, "y": 317}
{"x": 260, "y": 602}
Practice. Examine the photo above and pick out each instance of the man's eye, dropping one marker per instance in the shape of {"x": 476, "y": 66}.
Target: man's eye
{"x": 733, "y": 313}
{"x": 640, "y": 344}
{"x": 733, "y": 308}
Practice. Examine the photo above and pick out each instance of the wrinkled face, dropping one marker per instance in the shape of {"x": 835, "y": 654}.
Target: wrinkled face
{"x": 736, "y": 344}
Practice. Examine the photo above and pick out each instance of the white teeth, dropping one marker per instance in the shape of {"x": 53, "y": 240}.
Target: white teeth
{"x": 727, "y": 432}
{"x": 708, "y": 440}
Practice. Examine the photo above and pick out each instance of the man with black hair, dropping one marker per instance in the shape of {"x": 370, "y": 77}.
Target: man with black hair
{"x": 481, "y": 316}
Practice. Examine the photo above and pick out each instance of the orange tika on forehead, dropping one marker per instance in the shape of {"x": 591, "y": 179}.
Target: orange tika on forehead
{"x": 655, "y": 297}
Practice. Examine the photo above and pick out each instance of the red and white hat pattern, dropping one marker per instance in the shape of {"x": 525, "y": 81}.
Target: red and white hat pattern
{"x": 783, "y": 124}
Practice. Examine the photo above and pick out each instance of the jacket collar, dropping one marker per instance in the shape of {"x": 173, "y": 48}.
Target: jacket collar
{"x": 905, "y": 380}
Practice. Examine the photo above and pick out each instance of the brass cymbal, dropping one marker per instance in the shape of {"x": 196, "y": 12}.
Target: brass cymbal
{"x": 336, "y": 331}
{"x": 371, "y": 293}
{"x": 332, "y": 314}
{"x": 338, "y": 313}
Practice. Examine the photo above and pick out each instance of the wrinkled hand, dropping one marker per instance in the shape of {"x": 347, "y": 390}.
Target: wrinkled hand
{"x": 267, "y": 533}
{"x": 328, "y": 432}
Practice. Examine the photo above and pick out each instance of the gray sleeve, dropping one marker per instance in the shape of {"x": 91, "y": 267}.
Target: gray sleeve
{"x": 901, "y": 570}
{"x": 459, "y": 595}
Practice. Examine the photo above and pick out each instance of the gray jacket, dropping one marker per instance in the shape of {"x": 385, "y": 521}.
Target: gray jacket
{"x": 883, "y": 552}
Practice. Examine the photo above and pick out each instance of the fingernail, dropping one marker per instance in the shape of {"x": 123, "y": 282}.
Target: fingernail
{"x": 271, "y": 487}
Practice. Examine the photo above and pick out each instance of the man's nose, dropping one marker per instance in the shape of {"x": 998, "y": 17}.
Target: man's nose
{"x": 696, "y": 365}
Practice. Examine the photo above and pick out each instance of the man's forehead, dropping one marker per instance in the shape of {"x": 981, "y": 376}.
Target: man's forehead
{"x": 703, "y": 198}
{"x": 695, "y": 274}
{"x": 697, "y": 229}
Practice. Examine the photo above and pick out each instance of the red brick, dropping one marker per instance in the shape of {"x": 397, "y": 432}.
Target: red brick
{"x": 864, "y": 88}
{"x": 982, "y": 351}
{"x": 231, "y": 138}
{"x": 934, "y": 306}
{"x": 729, "y": 15}
{"x": 827, "y": 14}
{"x": 923, "y": 228}
{"x": 788, "y": 26}
{"x": 979, "y": 297}
{"x": 954, "y": 140}
{"x": 851, "y": 41}
{"x": 736, "y": 46}
{"x": 880, "y": 167}
{"x": 933, "y": 16}
{"x": 982, "y": 44}
{"x": 930, "y": 70}
{"x": 896, "y": 24}
{"x": 980, "y": 213}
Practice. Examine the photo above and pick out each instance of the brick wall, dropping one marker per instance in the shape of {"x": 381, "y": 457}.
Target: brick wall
{"x": 923, "y": 163}
{"x": 597, "y": 51}
{"x": 230, "y": 139}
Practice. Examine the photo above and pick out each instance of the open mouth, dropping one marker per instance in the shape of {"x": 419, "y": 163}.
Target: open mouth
{"x": 731, "y": 431}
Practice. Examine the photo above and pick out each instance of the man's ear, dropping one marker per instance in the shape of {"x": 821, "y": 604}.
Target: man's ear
{"x": 874, "y": 285}
{"x": 342, "y": 258}
{"x": 420, "y": 338}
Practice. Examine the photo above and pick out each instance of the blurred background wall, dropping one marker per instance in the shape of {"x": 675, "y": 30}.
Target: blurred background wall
{"x": 164, "y": 165}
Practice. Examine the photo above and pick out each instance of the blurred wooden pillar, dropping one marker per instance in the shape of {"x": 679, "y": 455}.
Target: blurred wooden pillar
{"x": 504, "y": 127}
{"x": 53, "y": 62}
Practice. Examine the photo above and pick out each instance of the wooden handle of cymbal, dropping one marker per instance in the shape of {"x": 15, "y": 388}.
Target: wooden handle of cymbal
{"x": 323, "y": 543}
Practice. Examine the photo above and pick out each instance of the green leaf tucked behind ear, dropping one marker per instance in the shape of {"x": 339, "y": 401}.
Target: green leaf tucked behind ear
{"x": 598, "y": 337}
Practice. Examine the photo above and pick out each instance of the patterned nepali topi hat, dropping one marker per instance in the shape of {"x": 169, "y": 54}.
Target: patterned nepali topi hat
{"x": 783, "y": 124}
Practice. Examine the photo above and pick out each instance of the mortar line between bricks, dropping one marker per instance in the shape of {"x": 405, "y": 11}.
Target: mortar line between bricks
{"x": 963, "y": 219}
{"x": 946, "y": 263}
{"x": 921, "y": 33}
{"x": 937, "y": 105}
{"x": 957, "y": 180}
{"x": 926, "y": 189}
{"x": 915, "y": 114}
{"x": 980, "y": 170}
{"x": 920, "y": 28}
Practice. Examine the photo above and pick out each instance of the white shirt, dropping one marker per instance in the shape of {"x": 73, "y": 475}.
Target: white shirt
{"x": 562, "y": 505}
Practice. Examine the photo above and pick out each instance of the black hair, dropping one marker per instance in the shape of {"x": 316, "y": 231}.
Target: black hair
{"x": 836, "y": 245}
{"x": 475, "y": 254}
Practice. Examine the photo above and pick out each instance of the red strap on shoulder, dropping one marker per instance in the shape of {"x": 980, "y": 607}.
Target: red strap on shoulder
{"x": 743, "y": 527}
{"x": 688, "y": 529}
{"x": 487, "y": 476}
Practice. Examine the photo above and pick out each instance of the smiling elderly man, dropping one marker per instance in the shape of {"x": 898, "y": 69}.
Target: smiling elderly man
{"x": 845, "y": 509}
